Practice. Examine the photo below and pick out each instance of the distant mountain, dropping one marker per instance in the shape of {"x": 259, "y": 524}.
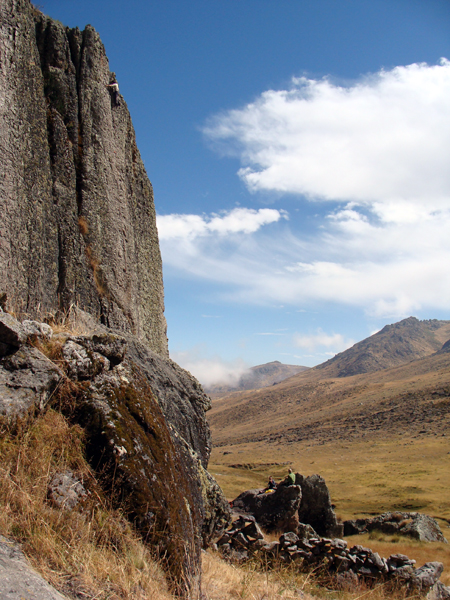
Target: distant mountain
{"x": 398, "y": 378}
{"x": 393, "y": 346}
{"x": 257, "y": 377}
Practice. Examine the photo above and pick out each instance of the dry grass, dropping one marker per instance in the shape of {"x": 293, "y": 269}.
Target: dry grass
{"x": 91, "y": 550}
{"x": 256, "y": 581}
{"x": 224, "y": 581}
{"x": 365, "y": 477}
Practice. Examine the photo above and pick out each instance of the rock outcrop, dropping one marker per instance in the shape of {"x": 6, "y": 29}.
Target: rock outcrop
{"x": 274, "y": 510}
{"x": 145, "y": 427}
{"x": 292, "y": 507}
{"x": 416, "y": 525}
{"x": 78, "y": 221}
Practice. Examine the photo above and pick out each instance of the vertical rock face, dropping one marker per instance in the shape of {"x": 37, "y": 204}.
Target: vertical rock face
{"x": 78, "y": 228}
{"x": 78, "y": 220}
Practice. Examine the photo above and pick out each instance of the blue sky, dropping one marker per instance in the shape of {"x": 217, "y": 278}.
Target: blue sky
{"x": 298, "y": 151}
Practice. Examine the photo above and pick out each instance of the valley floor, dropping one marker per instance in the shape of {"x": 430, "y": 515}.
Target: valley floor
{"x": 365, "y": 476}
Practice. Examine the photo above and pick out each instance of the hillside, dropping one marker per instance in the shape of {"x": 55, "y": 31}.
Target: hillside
{"x": 324, "y": 402}
{"x": 260, "y": 376}
{"x": 380, "y": 439}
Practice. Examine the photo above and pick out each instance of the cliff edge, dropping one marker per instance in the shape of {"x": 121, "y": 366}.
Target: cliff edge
{"x": 78, "y": 221}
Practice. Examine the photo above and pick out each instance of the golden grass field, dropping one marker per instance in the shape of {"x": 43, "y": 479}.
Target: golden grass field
{"x": 380, "y": 440}
{"x": 365, "y": 477}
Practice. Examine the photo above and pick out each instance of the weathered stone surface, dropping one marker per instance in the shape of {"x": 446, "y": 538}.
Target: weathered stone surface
{"x": 66, "y": 491}
{"x": 416, "y": 525}
{"x": 305, "y": 531}
{"x": 275, "y": 511}
{"x": 146, "y": 429}
{"x": 27, "y": 379}
{"x": 82, "y": 364}
{"x": 78, "y": 222}
{"x": 439, "y": 591}
{"x": 11, "y": 331}
{"x": 179, "y": 394}
{"x": 315, "y": 508}
{"x": 34, "y": 330}
{"x": 422, "y": 579}
{"x": 110, "y": 345}
{"x": 18, "y": 581}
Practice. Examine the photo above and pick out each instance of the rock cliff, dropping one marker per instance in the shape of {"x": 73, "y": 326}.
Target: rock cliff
{"x": 78, "y": 237}
{"x": 78, "y": 220}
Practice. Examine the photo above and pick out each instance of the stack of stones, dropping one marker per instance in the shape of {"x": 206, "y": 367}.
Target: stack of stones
{"x": 245, "y": 540}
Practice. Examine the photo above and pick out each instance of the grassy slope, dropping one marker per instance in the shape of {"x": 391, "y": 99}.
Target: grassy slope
{"x": 381, "y": 441}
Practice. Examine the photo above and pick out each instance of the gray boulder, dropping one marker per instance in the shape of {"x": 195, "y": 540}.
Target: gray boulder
{"x": 315, "y": 508}
{"x": 27, "y": 381}
{"x": 66, "y": 491}
{"x": 275, "y": 511}
{"x": 18, "y": 581}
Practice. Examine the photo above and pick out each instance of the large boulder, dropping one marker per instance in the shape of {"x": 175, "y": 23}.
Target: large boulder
{"x": 146, "y": 430}
{"x": 315, "y": 508}
{"x": 146, "y": 434}
{"x": 275, "y": 511}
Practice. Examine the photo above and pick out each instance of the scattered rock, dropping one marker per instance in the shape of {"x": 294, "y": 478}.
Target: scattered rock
{"x": 34, "y": 330}
{"x": 416, "y": 525}
{"x": 66, "y": 491}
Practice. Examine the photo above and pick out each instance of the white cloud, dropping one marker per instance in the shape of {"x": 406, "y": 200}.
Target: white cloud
{"x": 238, "y": 220}
{"x": 320, "y": 339}
{"x": 211, "y": 370}
{"x": 390, "y": 270}
{"x": 381, "y": 146}
{"x": 382, "y": 142}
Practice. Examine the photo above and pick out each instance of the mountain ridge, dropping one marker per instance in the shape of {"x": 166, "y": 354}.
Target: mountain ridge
{"x": 319, "y": 399}
{"x": 259, "y": 376}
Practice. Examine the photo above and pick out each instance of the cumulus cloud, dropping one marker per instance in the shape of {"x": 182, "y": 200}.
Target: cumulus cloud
{"x": 382, "y": 142}
{"x": 319, "y": 340}
{"x": 212, "y": 370}
{"x": 377, "y": 151}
